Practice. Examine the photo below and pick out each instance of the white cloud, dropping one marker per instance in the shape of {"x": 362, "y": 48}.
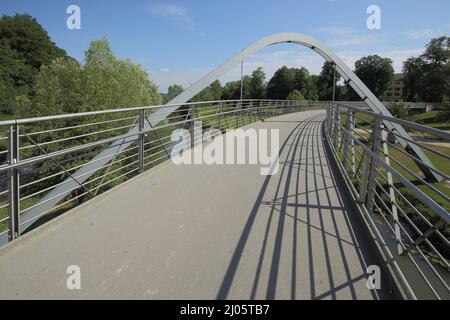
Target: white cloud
{"x": 171, "y": 11}
{"x": 418, "y": 34}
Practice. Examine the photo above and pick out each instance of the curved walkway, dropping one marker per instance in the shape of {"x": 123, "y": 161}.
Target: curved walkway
{"x": 206, "y": 232}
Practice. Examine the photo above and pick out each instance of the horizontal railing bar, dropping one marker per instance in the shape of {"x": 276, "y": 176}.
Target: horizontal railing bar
{"x": 420, "y": 145}
{"x": 440, "y": 133}
{"x": 92, "y": 113}
{"x": 436, "y": 207}
{"x": 77, "y": 126}
{"x": 418, "y": 160}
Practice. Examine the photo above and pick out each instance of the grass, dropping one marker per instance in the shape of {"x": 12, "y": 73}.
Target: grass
{"x": 430, "y": 119}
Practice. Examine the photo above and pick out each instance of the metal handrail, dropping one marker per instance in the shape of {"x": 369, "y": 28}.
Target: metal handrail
{"x": 101, "y": 112}
{"x": 56, "y": 149}
{"x": 417, "y": 259}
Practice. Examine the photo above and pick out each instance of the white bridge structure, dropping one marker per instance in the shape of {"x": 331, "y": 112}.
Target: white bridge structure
{"x": 355, "y": 189}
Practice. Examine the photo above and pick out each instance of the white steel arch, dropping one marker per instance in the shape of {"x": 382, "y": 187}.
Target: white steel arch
{"x": 347, "y": 74}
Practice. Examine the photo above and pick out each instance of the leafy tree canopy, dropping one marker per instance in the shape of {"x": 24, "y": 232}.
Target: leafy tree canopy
{"x": 427, "y": 77}
{"x": 24, "y": 47}
{"x": 64, "y": 86}
{"x": 376, "y": 72}
{"x": 285, "y": 80}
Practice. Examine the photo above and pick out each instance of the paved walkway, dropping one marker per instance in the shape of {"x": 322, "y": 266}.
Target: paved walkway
{"x": 206, "y": 232}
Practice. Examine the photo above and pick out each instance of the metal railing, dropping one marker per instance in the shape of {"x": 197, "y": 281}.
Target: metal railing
{"x": 407, "y": 215}
{"x": 44, "y": 170}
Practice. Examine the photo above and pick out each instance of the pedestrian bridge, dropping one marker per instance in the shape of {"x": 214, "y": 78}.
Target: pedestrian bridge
{"x": 358, "y": 208}
{"x": 202, "y": 231}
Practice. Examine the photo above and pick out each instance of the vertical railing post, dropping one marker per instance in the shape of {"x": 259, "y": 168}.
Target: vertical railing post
{"x": 260, "y": 110}
{"x": 219, "y": 120}
{"x": 192, "y": 114}
{"x": 376, "y": 144}
{"x": 327, "y": 119}
{"x": 331, "y": 117}
{"x": 13, "y": 180}
{"x": 237, "y": 114}
{"x": 352, "y": 141}
{"x": 369, "y": 174}
{"x": 141, "y": 140}
{"x": 337, "y": 123}
{"x": 392, "y": 196}
{"x": 347, "y": 136}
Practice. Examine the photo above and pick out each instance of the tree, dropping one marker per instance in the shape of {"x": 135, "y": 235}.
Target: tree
{"x": 325, "y": 81}
{"x": 258, "y": 84}
{"x": 296, "y": 95}
{"x": 376, "y": 73}
{"x": 285, "y": 80}
{"x": 216, "y": 90}
{"x": 444, "y": 114}
{"x": 232, "y": 89}
{"x": 26, "y": 36}
{"x": 24, "y": 47}
{"x": 173, "y": 91}
{"x": 412, "y": 78}
{"x": 281, "y": 84}
{"x": 427, "y": 77}
{"x": 304, "y": 83}
{"x": 211, "y": 93}
{"x": 64, "y": 86}
{"x": 100, "y": 52}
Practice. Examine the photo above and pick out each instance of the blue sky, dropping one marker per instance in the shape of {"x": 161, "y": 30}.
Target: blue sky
{"x": 179, "y": 41}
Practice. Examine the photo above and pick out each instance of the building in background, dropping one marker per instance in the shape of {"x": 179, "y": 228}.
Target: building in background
{"x": 394, "y": 92}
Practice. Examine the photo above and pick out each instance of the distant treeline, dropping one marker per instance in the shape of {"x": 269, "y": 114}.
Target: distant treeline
{"x": 38, "y": 78}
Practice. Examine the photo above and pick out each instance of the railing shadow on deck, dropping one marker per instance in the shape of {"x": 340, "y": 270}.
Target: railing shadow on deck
{"x": 305, "y": 139}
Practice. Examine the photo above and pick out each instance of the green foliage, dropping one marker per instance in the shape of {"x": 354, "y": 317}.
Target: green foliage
{"x": 296, "y": 95}
{"x": 398, "y": 110}
{"x": 211, "y": 93}
{"x": 376, "y": 72}
{"x": 24, "y": 47}
{"x": 64, "y": 86}
{"x": 232, "y": 90}
{"x": 216, "y": 90}
{"x": 26, "y": 36}
{"x": 281, "y": 84}
{"x": 104, "y": 82}
{"x": 325, "y": 81}
{"x": 285, "y": 80}
{"x": 258, "y": 84}
{"x": 173, "y": 91}
{"x": 427, "y": 77}
{"x": 100, "y": 53}
{"x": 444, "y": 115}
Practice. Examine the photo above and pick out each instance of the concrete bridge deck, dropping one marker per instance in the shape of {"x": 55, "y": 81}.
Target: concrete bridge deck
{"x": 206, "y": 232}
